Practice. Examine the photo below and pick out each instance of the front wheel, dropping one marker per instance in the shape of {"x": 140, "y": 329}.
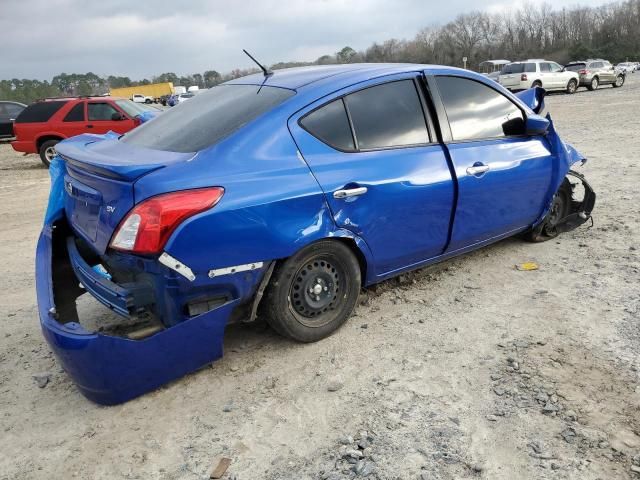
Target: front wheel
{"x": 594, "y": 84}
{"x": 619, "y": 81}
{"x": 312, "y": 293}
{"x": 572, "y": 86}
{"x": 48, "y": 151}
{"x": 560, "y": 208}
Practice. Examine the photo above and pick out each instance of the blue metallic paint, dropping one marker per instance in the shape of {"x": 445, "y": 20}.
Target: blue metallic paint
{"x": 278, "y": 182}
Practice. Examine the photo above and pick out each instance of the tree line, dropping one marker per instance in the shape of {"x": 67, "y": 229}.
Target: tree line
{"x": 611, "y": 31}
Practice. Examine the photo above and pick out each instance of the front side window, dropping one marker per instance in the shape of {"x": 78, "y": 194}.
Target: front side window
{"x": 100, "y": 111}
{"x": 208, "y": 118}
{"x": 476, "y": 111}
{"x": 76, "y": 114}
{"x": 388, "y": 115}
{"x": 545, "y": 67}
{"x": 555, "y": 67}
{"x": 330, "y": 124}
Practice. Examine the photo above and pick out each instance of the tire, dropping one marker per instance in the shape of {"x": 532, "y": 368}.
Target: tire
{"x": 572, "y": 86}
{"x": 560, "y": 208}
{"x": 148, "y": 101}
{"x": 619, "y": 81}
{"x": 595, "y": 83}
{"x": 537, "y": 83}
{"x": 312, "y": 293}
{"x": 47, "y": 151}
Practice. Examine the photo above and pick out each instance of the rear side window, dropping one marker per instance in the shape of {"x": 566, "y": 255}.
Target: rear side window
{"x": 476, "y": 111}
{"x": 76, "y": 114}
{"x": 518, "y": 68}
{"x": 575, "y": 67}
{"x": 207, "y": 118}
{"x": 330, "y": 124}
{"x": 39, "y": 112}
{"x": 100, "y": 111}
{"x": 388, "y": 115}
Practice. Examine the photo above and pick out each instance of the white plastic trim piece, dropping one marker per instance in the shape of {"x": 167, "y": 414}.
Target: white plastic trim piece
{"x": 238, "y": 268}
{"x": 177, "y": 266}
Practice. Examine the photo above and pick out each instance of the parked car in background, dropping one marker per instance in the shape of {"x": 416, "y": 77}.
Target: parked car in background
{"x": 9, "y": 111}
{"x": 594, "y": 73}
{"x": 492, "y": 68}
{"x": 44, "y": 123}
{"x": 295, "y": 190}
{"x": 139, "y": 98}
{"x": 538, "y": 73}
{"x": 626, "y": 67}
{"x": 183, "y": 97}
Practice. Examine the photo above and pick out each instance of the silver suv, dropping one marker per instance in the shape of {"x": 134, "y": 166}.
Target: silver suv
{"x": 596, "y": 72}
{"x": 540, "y": 73}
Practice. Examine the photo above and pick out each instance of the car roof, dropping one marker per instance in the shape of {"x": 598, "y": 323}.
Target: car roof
{"x": 300, "y": 77}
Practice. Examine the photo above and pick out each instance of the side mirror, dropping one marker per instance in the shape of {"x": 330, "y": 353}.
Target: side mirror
{"x": 536, "y": 125}
{"x": 116, "y": 116}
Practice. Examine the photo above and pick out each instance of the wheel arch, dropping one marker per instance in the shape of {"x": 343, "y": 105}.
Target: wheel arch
{"x": 46, "y": 137}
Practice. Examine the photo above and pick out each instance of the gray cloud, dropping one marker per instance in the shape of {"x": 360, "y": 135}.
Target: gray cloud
{"x": 41, "y": 38}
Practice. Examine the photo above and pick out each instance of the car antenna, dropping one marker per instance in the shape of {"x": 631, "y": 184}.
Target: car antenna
{"x": 267, "y": 73}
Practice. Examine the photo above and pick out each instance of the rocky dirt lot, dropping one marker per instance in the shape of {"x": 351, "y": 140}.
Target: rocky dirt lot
{"x": 467, "y": 370}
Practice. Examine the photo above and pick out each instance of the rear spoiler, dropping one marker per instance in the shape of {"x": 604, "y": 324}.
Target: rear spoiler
{"x": 533, "y": 98}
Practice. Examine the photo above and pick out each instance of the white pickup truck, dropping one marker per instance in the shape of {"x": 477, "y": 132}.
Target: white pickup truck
{"x": 138, "y": 98}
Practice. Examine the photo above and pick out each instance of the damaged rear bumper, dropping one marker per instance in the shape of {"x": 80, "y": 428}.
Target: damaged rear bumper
{"x": 111, "y": 369}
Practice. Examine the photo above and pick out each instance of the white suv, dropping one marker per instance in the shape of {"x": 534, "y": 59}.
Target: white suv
{"x": 541, "y": 73}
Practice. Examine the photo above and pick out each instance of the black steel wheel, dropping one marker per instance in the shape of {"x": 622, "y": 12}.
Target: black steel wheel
{"x": 560, "y": 208}
{"x": 312, "y": 293}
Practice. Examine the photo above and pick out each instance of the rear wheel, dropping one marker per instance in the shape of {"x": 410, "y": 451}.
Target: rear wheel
{"x": 594, "y": 83}
{"x": 48, "y": 151}
{"x": 619, "y": 81}
{"x": 572, "y": 86}
{"x": 312, "y": 293}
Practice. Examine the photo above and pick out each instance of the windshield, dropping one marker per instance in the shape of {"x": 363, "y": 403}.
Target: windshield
{"x": 130, "y": 108}
{"x": 207, "y": 118}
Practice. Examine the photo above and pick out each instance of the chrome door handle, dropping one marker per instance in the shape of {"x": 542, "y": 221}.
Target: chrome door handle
{"x": 478, "y": 169}
{"x": 351, "y": 192}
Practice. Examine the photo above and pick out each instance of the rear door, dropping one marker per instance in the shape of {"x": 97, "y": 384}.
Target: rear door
{"x": 74, "y": 122}
{"x": 384, "y": 176}
{"x": 503, "y": 175}
{"x": 100, "y": 118}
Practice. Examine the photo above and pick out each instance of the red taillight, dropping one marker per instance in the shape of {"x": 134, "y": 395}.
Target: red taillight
{"x": 583, "y": 72}
{"x": 148, "y": 226}
{"x": 523, "y": 77}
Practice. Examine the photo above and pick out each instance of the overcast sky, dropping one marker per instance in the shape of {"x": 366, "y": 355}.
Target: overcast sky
{"x": 142, "y": 38}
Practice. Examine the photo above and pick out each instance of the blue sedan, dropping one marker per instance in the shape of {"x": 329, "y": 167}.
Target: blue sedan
{"x": 281, "y": 196}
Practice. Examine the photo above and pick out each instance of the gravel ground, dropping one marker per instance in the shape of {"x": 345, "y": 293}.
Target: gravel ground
{"x": 470, "y": 369}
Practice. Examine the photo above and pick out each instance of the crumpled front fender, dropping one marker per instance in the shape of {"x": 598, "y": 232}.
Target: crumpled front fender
{"x": 564, "y": 157}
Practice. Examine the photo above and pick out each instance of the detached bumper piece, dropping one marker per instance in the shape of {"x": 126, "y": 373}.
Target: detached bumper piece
{"x": 580, "y": 210}
{"x": 109, "y": 369}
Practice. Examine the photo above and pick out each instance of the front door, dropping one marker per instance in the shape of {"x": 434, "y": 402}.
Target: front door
{"x": 100, "y": 118}
{"x": 503, "y": 175}
{"x": 384, "y": 177}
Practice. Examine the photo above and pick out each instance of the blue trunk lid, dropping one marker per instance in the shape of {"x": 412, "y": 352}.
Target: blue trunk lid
{"x": 99, "y": 182}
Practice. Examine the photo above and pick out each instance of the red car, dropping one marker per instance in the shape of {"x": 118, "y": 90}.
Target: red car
{"x": 44, "y": 123}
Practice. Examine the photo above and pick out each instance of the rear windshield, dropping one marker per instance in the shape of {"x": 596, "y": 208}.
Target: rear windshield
{"x": 207, "y": 118}
{"x": 574, "y": 67}
{"x": 39, "y": 112}
{"x": 518, "y": 68}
